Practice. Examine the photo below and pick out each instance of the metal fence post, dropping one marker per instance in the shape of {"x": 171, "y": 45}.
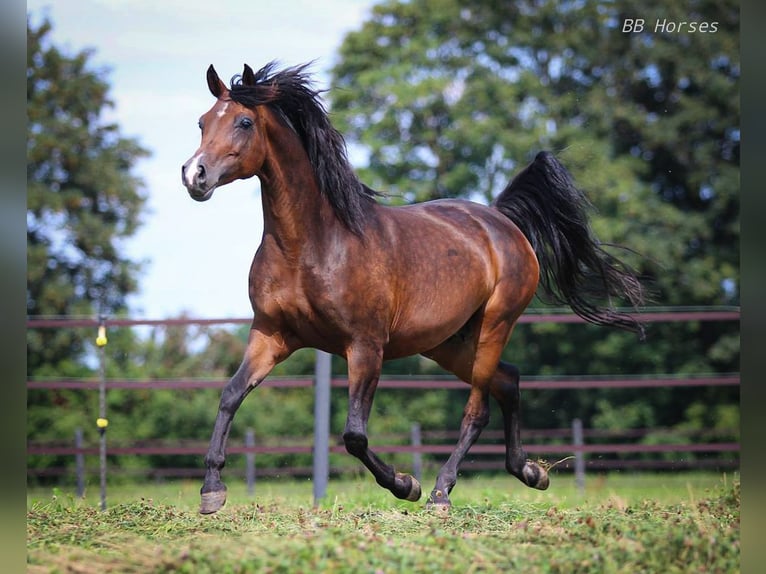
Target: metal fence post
{"x": 79, "y": 463}
{"x": 102, "y": 422}
{"x": 250, "y": 461}
{"x": 417, "y": 457}
{"x": 322, "y": 376}
{"x": 578, "y": 441}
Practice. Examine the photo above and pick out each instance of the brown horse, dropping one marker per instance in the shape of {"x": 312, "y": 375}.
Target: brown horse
{"x": 338, "y": 271}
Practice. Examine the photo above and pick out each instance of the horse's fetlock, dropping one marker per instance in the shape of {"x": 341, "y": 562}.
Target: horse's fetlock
{"x": 216, "y": 461}
{"x": 515, "y": 466}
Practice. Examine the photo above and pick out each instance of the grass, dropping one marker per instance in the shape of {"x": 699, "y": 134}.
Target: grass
{"x": 621, "y": 523}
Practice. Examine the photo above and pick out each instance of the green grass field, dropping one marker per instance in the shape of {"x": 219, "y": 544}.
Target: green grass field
{"x": 684, "y": 522}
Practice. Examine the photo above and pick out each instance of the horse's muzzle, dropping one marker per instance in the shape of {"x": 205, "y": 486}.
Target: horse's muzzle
{"x": 194, "y": 178}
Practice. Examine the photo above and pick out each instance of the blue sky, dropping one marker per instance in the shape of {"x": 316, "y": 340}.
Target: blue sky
{"x": 157, "y": 51}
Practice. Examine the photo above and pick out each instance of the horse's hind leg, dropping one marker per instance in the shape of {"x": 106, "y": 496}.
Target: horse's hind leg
{"x": 475, "y": 418}
{"x": 364, "y": 364}
{"x": 472, "y": 355}
{"x": 504, "y": 386}
{"x": 505, "y": 389}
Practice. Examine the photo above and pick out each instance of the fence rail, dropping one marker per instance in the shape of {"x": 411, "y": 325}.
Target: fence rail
{"x": 485, "y": 455}
{"x": 710, "y": 452}
{"x": 647, "y": 316}
{"x": 407, "y": 383}
{"x": 438, "y": 449}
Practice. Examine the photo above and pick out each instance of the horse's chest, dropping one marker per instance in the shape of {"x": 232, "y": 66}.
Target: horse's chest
{"x": 291, "y": 297}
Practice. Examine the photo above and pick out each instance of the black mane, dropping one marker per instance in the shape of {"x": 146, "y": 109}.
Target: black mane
{"x": 290, "y": 93}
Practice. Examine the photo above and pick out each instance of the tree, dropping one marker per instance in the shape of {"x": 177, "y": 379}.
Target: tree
{"x": 83, "y": 200}
{"x": 450, "y": 99}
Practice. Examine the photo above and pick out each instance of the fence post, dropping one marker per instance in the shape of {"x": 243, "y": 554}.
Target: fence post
{"x": 250, "y": 461}
{"x": 79, "y": 463}
{"x": 102, "y": 422}
{"x": 577, "y": 438}
{"x": 322, "y": 376}
{"x": 417, "y": 457}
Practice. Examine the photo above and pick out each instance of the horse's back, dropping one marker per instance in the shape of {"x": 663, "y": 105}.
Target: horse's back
{"x": 480, "y": 230}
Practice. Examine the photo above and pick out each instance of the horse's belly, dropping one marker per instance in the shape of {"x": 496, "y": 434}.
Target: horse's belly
{"x": 429, "y": 325}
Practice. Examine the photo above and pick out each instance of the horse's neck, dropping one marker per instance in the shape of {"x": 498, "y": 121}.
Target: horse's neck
{"x": 293, "y": 207}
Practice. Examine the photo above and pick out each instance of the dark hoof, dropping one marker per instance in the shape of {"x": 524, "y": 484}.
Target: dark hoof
{"x": 438, "y": 501}
{"x": 535, "y": 476}
{"x": 413, "y": 492}
{"x": 212, "y": 501}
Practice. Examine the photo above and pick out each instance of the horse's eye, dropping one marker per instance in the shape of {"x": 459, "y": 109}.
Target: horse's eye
{"x": 200, "y": 124}
{"x": 245, "y": 123}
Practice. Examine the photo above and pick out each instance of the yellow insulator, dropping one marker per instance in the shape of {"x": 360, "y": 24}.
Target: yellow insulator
{"x": 101, "y": 339}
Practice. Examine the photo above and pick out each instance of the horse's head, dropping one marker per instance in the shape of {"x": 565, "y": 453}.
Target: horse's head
{"x": 232, "y": 144}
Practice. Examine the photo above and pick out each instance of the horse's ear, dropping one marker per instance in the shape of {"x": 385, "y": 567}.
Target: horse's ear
{"x": 214, "y": 83}
{"x": 248, "y": 76}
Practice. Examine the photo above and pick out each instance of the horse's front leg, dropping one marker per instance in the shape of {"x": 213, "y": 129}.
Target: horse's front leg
{"x": 364, "y": 365}
{"x": 262, "y": 353}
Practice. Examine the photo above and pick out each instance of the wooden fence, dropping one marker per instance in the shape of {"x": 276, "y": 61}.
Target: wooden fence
{"x": 588, "y": 447}
{"x": 487, "y": 454}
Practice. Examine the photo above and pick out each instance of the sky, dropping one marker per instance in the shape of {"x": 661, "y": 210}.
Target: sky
{"x": 197, "y": 255}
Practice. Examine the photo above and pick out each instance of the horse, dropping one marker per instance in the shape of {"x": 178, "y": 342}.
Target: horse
{"x": 340, "y": 271}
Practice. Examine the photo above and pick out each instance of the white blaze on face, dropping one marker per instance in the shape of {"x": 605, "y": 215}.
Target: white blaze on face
{"x": 191, "y": 171}
{"x": 222, "y": 111}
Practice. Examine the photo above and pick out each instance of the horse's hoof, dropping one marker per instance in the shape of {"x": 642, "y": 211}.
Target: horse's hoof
{"x": 414, "y": 494}
{"x": 438, "y": 501}
{"x": 404, "y": 492}
{"x": 535, "y": 476}
{"x": 212, "y": 501}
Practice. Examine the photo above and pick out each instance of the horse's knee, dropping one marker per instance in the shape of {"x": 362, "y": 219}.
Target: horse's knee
{"x": 233, "y": 394}
{"x": 356, "y": 443}
{"x": 481, "y": 419}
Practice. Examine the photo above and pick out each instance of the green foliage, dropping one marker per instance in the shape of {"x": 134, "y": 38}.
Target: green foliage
{"x": 447, "y": 99}
{"x": 83, "y": 203}
{"x": 82, "y": 200}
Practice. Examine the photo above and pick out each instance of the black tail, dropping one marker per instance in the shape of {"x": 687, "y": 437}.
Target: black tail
{"x": 544, "y": 203}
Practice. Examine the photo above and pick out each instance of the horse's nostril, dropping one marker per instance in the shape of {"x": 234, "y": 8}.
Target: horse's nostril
{"x": 201, "y": 172}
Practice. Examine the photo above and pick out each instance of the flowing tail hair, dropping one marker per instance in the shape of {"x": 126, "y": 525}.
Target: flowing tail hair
{"x": 544, "y": 203}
